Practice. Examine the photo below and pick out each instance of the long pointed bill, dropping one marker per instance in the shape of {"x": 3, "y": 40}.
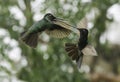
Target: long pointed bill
{"x": 79, "y": 60}
{"x": 65, "y": 25}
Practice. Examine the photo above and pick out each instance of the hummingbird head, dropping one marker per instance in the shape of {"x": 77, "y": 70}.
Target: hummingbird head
{"x": 83, "y": 32}
{"x": 49, "y": 17}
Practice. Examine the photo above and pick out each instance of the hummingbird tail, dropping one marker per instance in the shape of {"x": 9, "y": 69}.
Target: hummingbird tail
{"x": 30, "y": 39}
{"x": 73, "y": 52}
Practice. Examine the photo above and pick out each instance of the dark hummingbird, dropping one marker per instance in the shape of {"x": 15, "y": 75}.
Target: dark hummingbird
{"x": 50, "y": 24}
{"x": 76, "y": 51}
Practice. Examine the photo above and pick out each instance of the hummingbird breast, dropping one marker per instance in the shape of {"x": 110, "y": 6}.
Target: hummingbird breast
{"x": 83, "y": 41}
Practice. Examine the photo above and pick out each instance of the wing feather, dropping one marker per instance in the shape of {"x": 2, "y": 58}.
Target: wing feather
{"x": 89, "y": 50}
{"x": 83, "y": 23}
{"x": 58, "y": 33}
{"x": 67, "y": 26}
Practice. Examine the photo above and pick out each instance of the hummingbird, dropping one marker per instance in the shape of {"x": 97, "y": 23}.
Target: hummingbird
{"x": 81, "y": 48}
{"x": 53, "y": 26}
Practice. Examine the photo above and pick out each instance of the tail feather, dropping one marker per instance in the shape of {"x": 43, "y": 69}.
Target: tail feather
{"x": 71, "y": 53}
{"x": 68, "y": 49}
{"x": 75, "y": 56}
{"x": 30, "y": 39}
{"x": 74, "y": 53}
{"x": 72, "y": 50}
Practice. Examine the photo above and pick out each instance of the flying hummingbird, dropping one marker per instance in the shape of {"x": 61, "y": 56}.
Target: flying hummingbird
{"x": 53, "y": 26}
{"x": 76, "y": 51}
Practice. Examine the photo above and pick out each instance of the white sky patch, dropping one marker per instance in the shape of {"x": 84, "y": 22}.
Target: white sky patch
{"x": 61, "y": 2}
{"x": 84, "y": 68}
{"x": 36, "y": 7}
{"x": 66, "y": 68}
{"x": 6, "y": 40}
{"x": 37, "y": 16}
{"x": 23, "y": 62}
{"x": 22, "y": 4}
{"x": 75, "y": 9}
{"x": 5, "y": 64}
{"x": 43, "y": 47}
{"x": 3, "y": 32}
{"x": 103, "y": 38}
{"x": 114, "y": 11}
{"x": 63, "y": 67}
{"x": 91, "y": 16}
{"x": 5, "y": 80}
{"x": 46, "y": 37}
{"x": 45, "y": 56}
{"x": 18, "y": 28}
{"x": 90, "y": 25}
{"x": 13, "y": 43}
{"x": 67, "y": 7}
{"x": 10, "y": 42}
{"x": 17, "y": 13}
{"x": 113, "y": 31}
{"x": 70, "y": 70}
{"x": 15, "y": 54}
{"x": 85, "y": 1}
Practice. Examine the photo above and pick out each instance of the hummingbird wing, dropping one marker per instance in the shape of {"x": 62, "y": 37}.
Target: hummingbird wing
{"x": 66, "y": 26}
{"x": 83, "y": 23}
{"x": 58, "y": 33}
{"x": 89, "y": 50}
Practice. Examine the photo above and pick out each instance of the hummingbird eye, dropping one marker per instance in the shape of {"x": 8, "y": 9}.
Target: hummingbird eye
{"x": 84, "y": 30}
{"x": 49, "y": 17}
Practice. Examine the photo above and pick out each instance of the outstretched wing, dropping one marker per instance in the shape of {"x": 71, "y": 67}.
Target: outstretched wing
{"x": 89, "y": 50}
{"x": 66, "y": 26}
{"x": 83, "y": 23}
{"x": 58, "y": 33}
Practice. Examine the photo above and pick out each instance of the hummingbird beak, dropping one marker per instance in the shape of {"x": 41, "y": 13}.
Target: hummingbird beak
{"x": 66, "y": 25}
{"x": 58, "y": 19}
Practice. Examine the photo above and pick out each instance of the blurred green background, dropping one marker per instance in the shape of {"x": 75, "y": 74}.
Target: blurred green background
{"x": 49, "y": 61}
